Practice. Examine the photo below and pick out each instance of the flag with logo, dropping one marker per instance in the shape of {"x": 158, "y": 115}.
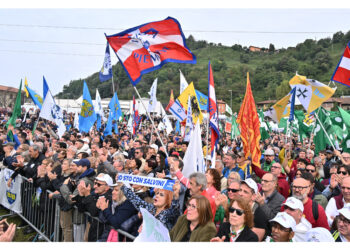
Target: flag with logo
{"x": 342, "y": 71}
{"x": 52, "y": 112}
{"x": 213, "y": 112}
{"x": 183, "y": 99}
{"x": 37, "y": 99}
{"x": 106, "y": 70}
{"x": 310, "y": 93}
{"x": 248, "y": 121}
{"x": 148, "y": 47}
{"x": 152, "y": 104}
{"x": 228, "y": 109}
{"x": 189, "y": 121}
{"x": 87, "y": 116}
{"x": 202, "y": 99}
{"x": 178, "y": 111}
{"x": 281, "y": 108}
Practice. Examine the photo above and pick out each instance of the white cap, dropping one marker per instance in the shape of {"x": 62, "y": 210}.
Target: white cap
{"x": 285, "y": 220}
{"x": 252, "y": 184}
{"x": 294, "y": 203}
{"x": 154, "y": 146}
{"x": 269, "y": 151}
{"x": 86, "y": 140}
{"x": 106, "y": 178}
{"x": 345, "y": 211}
{"x": 319, "y": 234}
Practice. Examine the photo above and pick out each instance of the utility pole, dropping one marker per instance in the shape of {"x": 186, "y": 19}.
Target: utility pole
{"x": 231, "y": 97}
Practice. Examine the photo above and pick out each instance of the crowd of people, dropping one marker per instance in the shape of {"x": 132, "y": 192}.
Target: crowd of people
{"x": 294, "y": 196}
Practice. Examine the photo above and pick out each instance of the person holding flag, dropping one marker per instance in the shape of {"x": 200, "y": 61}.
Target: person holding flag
{"x": 87, "y": 115}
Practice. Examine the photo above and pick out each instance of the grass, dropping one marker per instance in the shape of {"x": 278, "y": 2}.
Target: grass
{"x": 19, "y": 236}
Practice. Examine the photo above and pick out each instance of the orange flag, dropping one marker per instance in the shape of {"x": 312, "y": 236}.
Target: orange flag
{"x": 171, "y": 101}
{"x": 249, "y": 125}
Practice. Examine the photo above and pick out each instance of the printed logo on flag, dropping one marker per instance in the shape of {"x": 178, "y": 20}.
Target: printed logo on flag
{"x": 86, "y": 109}
{"x": 39, "y": 98}
{"x": 56, "y": 112}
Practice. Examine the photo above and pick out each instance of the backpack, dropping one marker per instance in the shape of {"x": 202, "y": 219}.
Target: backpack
{"x": 315, "y": 210}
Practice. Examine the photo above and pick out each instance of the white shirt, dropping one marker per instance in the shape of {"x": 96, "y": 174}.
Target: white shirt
{"x": 301, "y": 229}
{"x": 332, "y": 210}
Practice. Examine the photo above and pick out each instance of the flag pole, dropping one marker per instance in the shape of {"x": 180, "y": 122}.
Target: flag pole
{"x": 149, "y": 116}
{"x": 206, "y": 153}
{"x": 324, "y": 130}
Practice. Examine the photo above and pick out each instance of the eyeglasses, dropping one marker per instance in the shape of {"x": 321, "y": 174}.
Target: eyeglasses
{"x": 191, "y": 206}
{"x": 279, "y": 227}
{"x": 344, "y": 220}
{"x": 239, "y": 212}
{"x": 299, "y": 187}
{"x": 266, "y": 181}
{"x": 275, "y": 166}
{"x": 233, "y": 190}
{"x": 310, "y": 171}
{"x": 99, "y": 184}
{"x": 342, "y": 172}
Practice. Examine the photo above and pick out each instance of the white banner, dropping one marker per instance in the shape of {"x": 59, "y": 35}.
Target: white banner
{"x": 146, "y": 181}
{"x": 10, "y": 197}
{"x": 152, "y": 229}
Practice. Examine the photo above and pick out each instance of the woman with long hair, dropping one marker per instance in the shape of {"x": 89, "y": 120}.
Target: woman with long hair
{"x": 197, "y": 225}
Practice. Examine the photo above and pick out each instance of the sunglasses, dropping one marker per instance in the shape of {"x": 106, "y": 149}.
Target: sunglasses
{"x": 239, "y": 212}
{"x": 342, "y": 172}
{"x": 99, "y": 184}
{"x": 310, "y": 171}
{"x": 233, "y": 190}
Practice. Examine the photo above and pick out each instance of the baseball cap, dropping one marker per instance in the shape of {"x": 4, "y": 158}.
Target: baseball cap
{"x": 83, "y": 162}
{"x": 154, "y": 146}
{"x": 269, "y": 151}
{"x": 252, "y": 184}
{"x": 345, "y": 211}
{"x": 285, "y": 220}
{"x": 106, "y": 178}
{"x": 8, "y": 144}
{"x": 329, "y": 151}
{"x": 86, "y": 140}
{"x": 294, "y": 203}
{"x": 318, "y": 234}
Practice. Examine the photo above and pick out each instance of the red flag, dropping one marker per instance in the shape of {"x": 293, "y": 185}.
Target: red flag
{"x": 171, "y": 101}
{"x": 342, "y": 71}
{"x": 249, "y": 125}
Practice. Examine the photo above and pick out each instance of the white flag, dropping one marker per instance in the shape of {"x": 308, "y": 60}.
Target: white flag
{"x": 130, "y": 123}
{"x": 52, "y": 112}
{"x": 166, "y": 121}
{"x": 228, "y": 110}
{"x": 76, "y": 120}
{"x": 152, "y": 104}
{"x": 98, "y": 106}
{"x": 194, "y": 159}
{"x": 183, "y": 82}
{"x": 189, "y": 121}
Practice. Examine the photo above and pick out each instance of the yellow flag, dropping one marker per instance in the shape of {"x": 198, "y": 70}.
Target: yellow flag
{"x": 183, "y": 99}
{"x": 311, "y": 93}
{"x": 282, "y": 108}
{"x": 25, "y": 87}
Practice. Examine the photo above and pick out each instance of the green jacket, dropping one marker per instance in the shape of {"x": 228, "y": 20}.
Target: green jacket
{"x": 201, "y": 233}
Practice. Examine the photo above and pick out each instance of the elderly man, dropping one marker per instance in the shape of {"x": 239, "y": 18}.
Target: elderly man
{"x": 231, "y": 166}
{"x": 248, "y": 192}
{"x": 269, "y": 157}
{"x": 295, "y": 208}
{"x": 313, "y": 212}
{"x": 270, "y": 200}
{"x": 339, "y": 201}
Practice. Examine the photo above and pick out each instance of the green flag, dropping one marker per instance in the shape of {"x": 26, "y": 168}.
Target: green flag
{"x": 338, "y": 124}
{"x": 234, "y": 128}
{"x": 283, "y": 124}
{"x": 320, "y": 138}
{"x": 264, "y": 127}
{"x": 16, "y": 112}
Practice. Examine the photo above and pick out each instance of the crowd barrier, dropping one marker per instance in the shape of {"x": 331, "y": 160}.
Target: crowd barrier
{"x": 44, "y": 217}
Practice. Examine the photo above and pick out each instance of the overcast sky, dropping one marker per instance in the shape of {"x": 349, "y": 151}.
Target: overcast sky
{"x": 69, "y": 44}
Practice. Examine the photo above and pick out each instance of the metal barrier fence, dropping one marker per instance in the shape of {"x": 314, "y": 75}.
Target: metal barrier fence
{"x": 44, "y": 217}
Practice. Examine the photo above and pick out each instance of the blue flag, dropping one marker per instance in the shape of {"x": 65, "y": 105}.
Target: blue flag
{"x": 114, "y": 106}
{"x": 98, "y": 123}
{"x": 177, "y": 128}
{"x": 202, "y": 99}
{"x": 37, "y": 99}
{"x": 106, "y": 70}
{"x": 108, "y": 129}
{"x": 292, "y": 103}
{"x": 45, "y": 88}
{"x": 87, "y": 115}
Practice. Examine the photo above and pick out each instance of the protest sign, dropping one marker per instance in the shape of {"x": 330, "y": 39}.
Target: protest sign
{"x": 147, "y": 181}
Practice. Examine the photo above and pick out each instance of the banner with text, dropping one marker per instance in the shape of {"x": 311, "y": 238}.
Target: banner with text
{"x": 147, "y": 181}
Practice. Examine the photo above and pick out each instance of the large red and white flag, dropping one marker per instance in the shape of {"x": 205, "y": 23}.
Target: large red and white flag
{"x": 213, "y": 112}
{"x": 148, "y": 47}
{"x": 342, "y": 71}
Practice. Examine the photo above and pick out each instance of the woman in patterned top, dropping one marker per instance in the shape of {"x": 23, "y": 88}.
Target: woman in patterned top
{"x": 165, "y": 205}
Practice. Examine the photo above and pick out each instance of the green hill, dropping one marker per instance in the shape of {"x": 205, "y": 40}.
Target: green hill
{"x": 270, "y": 71}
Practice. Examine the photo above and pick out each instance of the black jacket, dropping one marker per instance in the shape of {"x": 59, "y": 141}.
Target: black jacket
{"x": 246, "y": 235}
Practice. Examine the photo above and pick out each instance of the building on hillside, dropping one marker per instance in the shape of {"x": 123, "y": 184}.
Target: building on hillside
{"x": 254, "y": 49}
{"x": 265, "y": 104}
{"x": 8, "y": 97}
